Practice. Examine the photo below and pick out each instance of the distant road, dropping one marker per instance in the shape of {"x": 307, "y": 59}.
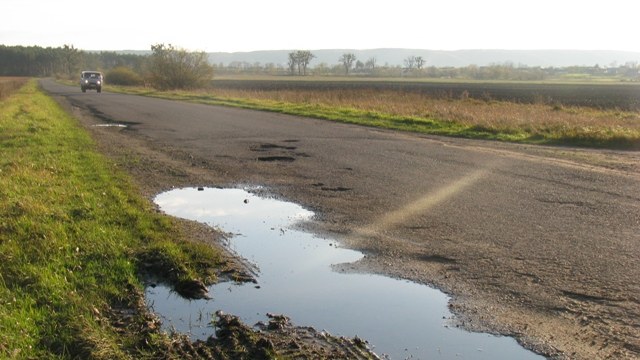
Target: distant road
{"x": 543, "y": 247}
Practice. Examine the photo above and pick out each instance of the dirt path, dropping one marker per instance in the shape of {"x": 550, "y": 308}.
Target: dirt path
{"x": 535, "y": 242}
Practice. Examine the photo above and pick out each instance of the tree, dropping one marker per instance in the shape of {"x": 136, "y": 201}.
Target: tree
{"x": 371, "y": 63}
{"x": 347, "y": 61}
{"x": 60, "y": 61}
{"x": 173, "y": 68}
{"x": 292, "y": 63}
{"x": 410, "y": 63}
{"x": 299, "y": 59}
{"x": 304, "y": 58}
{"x": 71, "y": 58}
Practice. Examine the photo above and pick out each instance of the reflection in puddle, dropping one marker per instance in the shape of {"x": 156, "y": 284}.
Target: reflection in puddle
{"x": 399, "y": 318}
{"x": 111, "y": 125}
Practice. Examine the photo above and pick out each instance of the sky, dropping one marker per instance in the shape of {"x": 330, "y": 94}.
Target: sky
{"x": 250, "y": 25}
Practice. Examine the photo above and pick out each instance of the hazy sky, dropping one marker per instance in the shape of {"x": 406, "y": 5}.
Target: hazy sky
{"x": 247, "y": 25}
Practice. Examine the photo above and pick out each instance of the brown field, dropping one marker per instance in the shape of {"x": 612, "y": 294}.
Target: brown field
{"x": 622, "y": 96}
{"x": 548, "y": 120}
{"x": 9, "y": 85}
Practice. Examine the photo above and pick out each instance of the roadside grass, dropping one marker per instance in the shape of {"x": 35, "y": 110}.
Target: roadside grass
{"x": 75, "y": 237}
{"x": 8, "y": 85}
{"x": 538, "y": 123}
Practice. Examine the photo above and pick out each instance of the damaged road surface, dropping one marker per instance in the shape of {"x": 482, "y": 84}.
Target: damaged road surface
{"x": 538, "y": 243}
{"x": 306, "y": 277}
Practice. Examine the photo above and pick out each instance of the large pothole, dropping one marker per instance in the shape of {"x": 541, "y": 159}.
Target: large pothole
{"x": 400, "y": 319}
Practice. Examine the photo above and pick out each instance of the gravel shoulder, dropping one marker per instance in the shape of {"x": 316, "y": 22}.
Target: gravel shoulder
{"x": 513, "y": 265}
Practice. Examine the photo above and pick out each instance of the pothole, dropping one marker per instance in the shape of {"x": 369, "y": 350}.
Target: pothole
{"x": 276, "y": 158}
{"x": 111, "y": 125}
{"x": 400, "y": 319}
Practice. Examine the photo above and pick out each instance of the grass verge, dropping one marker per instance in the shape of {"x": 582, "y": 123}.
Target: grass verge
{"x": 9, "y": 85}
{"x": 465, "y": 117}
{"x": 75, "y": 236}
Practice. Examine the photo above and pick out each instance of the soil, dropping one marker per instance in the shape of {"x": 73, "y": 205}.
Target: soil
{"x": 544, "y": 312}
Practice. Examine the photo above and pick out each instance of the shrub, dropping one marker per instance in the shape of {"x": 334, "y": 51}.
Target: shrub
{"x": 174, "y": 68}
{"x": 122, "y": 75}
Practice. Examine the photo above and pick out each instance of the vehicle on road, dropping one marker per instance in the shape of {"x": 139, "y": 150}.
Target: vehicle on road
{"x": 91, "y": 80}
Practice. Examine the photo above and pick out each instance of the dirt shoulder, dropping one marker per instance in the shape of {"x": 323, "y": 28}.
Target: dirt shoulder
{"x": 527, "y": 295}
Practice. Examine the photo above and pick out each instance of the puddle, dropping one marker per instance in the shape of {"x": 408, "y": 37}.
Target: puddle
{"x": 111, "y": 125}
{"x": 400, "y": 319}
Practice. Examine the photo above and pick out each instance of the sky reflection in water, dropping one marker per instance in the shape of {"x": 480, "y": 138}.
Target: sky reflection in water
{"x": 398, "y": 318}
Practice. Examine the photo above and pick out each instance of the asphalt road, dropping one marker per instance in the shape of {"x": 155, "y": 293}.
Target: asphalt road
{"x": 541, "y": 243}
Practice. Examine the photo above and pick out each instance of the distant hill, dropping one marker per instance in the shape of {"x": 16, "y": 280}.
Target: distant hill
{"x": 441, "y": 58}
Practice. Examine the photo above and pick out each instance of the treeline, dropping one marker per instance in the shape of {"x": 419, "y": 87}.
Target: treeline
{"x": 65, "y": 61}
{"x": 417, "y": 67}
{"x": 171, "y": 67}
{"x": 629, "y": 72}
{"x": 166, "y": 67}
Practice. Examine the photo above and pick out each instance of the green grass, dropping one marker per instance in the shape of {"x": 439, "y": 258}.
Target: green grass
{"x": 74, "y": 236}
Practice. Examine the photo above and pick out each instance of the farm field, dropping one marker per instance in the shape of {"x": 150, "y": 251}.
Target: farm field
{"x": 622, "y": 96}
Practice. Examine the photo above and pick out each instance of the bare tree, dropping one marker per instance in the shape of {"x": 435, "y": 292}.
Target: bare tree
{"x": 292, "y": 63}
{"x": 410, "y": 63}
{"x": 419, "y": 62}
{"x": 371, "y": 63}
{"x": 347, "y": 61}
{"x": 304, "y": 58}
{"x": 300, "y": 60}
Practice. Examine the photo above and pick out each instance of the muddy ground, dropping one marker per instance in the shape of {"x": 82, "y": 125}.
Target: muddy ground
{"x": 530, "y": 296}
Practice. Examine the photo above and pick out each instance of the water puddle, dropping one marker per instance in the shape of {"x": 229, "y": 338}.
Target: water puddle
{"x": 111, "y": 125}
{"x": 400, "y": 319}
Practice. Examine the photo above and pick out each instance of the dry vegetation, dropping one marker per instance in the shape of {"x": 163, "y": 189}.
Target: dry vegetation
{"x": 541, "y": 120}
{"x": 9, "y": 85}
